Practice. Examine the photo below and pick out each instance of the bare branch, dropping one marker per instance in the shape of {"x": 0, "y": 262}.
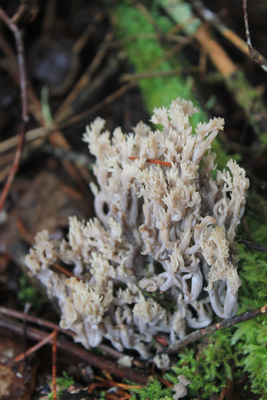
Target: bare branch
{"x": 251, "y": 245}
{"x": 246, "y": 316}
{"x": 77, "y": 351}
{"x": 19, "y": 45}
{"x": 253, "y": 53}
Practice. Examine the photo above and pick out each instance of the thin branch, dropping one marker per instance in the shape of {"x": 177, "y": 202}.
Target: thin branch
{"x": 54, "y": 366}
{"x": 123, "y": 89}
{"x": 141, "y": 35}
{"x": 152, "y": 161}
{"x": 65, "y": 271}
{"x": 45, "y": 132}
{"x": 43, "y": 322}
{"x": 108, "y": 100}
{"x": 155, "y": 74}
{"x": 76, "y": 351}
{"x": 210, "y": 17}
{"x": 251, "y": 245}
{"x": 85, "y": 79}
{"x": 253, "y": 53}
{"x": 35, "y": 320}
{"x": 19, "y": 45}
{"x": 246, "y": 316}
{"x": 36, "y": 347}
{"x": 14, "y": 168}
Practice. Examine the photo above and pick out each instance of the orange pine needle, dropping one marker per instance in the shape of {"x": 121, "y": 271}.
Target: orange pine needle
{"x": 152, "y": 161}
{"x": 36, "y": 347}
{"x": 54, "y": 366}
{"x": 162, "y": 380}
{"x": 64, "y": 270}
{"x": 121, "y": 385}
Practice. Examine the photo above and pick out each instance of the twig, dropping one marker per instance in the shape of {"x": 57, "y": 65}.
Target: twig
{"x": 36, "y": 347}
{"x": 85, "y": 79}
{"x": 152, "y": 161}
{"x": 155, "y": 74}
{"x": 19, "y": 45}
{"x": 246, "y": 316}
{"x": 253, "y": 53}
{"x": 33, "y": 134}
{"x": 252, "y": 245}
{"x": 234, "y": 78}
{"x": 4, "y": 173}
{"x": 55, "y": 136}
{"x": 25, "y": 313}
{"x": 65, "y": 271}
{"x": 77, "y": 351}
{"x": 109, "y": 99}
{"x": 39, "y": 321}
{"x": 89, "y": 90}
{"x": 49, "y": 20}
{"x": 123, "y": 89}
{"x": 14, "y": 167}
{"x": 75, "y": 62}
{"x": 142, "y": 35}
{"x": 43, "y": 132}
{"x": 212, "y": 18}
{"x": 215, "y": 51}
{"x": 43, "y": 322}
{"x": 54, "y": 366}
{"x": 18, "y": 14}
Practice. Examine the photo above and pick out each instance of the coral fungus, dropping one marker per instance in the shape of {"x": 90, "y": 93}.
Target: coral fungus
{"x": 160, "y": 255}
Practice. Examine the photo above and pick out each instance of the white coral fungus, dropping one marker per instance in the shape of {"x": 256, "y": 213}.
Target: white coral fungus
{"x": 163, "y": 233}
{"x": 180, "y": 387}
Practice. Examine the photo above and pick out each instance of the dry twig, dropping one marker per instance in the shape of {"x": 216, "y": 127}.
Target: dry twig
{"x": 43, "y": 322}
{"x": 246, "y": 316}
{"x": 36, "y": 347}
{"x": 74, "y": 350}
{"x": 54, "y": 366}
{"x": 155, "y": 74}
{"x": 253, "y": 53}
{"x": 35, "y": 320}
{"x": 19, "y": 45}
{"x": 251, "y": 245}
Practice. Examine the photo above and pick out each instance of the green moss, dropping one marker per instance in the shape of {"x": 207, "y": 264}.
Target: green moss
{"x": 210, "y": 369}
{"x": 249, "y": 98}
{"x": 250, "y": 338}
{"x": 28, "y": 294}
{"x": 154, "y": 390}
{"x": 63, "y": 383}
{"x": 207, "y": 372}
{"x": 143, "y": 53}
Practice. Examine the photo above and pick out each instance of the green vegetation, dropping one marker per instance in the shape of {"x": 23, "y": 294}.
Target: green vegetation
{"x": 29, "y": 294}
{"x": 147, "y": 54}
{"x": 63, "y": 383}
{"x": 250, "y": 338}
{"x": 154, "y": 390}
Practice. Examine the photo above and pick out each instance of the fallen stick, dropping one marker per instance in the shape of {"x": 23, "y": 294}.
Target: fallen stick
{"x": 76, "y": 350}
{"x": 246, "y": 316}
